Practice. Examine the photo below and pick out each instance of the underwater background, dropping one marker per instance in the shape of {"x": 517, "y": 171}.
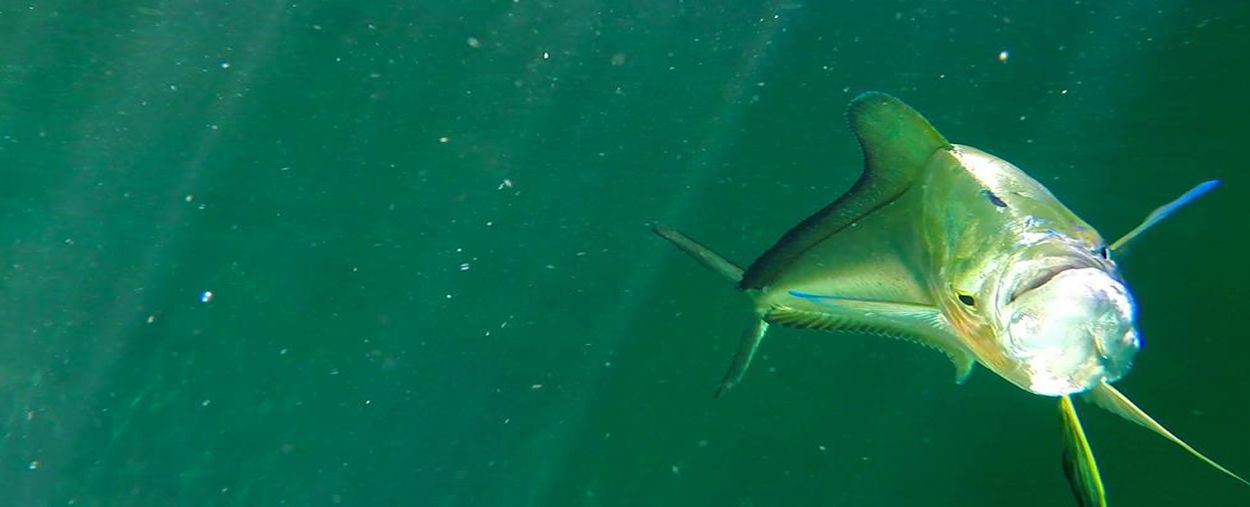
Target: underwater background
{"x": 394, "y": 252}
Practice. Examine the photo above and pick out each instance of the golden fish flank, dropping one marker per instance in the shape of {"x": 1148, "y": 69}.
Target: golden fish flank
{"x": 956, "y": 249}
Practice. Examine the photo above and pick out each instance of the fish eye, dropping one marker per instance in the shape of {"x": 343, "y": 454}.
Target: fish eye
{"x": 967, "y": 300}
{"x": 1102, "y": 252}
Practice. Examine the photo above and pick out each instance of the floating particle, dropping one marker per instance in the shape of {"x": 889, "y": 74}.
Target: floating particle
{"x": 464, "y": 266}
{"x": 506, "y": 183}
{"x": 189, "y": 198}
{"x": 151, "y": 319}
{"x": 536, "y": 387}
{"x": 205, "y": 403}
{"x": 34, "y": 465}
{"x": 225, "y": 65}
{"x": 1004, "y": 55}
{"x": 444, "y": 139}
{"x": 474, "y": 43}
{"x": 206, "y": 296}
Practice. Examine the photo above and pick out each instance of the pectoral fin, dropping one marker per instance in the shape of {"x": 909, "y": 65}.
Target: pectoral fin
{"x": 1078, "y": 460}
{"x": 1162, "y": 212}
{"x": 1112, "y": 400}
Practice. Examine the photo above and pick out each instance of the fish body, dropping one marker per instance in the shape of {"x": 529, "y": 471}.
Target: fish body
{"x": 954, "y": 248}
{"x": 987, "y": 249}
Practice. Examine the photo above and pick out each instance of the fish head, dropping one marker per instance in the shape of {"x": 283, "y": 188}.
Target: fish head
{"x": 1064, "y": 316}
{"x": 1031, "y": 287}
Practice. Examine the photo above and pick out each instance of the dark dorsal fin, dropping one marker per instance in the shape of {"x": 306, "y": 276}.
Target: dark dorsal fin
{"x": 897, "y": 142}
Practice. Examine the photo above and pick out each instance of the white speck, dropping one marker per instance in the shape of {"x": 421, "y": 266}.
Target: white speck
{"x": 368, "y": 402}
{"x": 546, "y": 55}
{"x": 205, "y": 403}
{"x": 225, "y": 65}
{"x": 536, "y": 387}
{"x": 34, "y": 465}
{"x": 449, "y": 296}
{"x": 283, "y": 352}
{"x": 474, "y": 43}
{"x": 206, "y": 296}
{"x": 444, "y": 139}
{"x": 151, "y": 319}
{"x": 1063, "y": 92}
{"x": 1004, "y": 55}
{"x": 173, "y": 88}
{"x": 189, "y": 198}
{"x": 821, "y": 447}
{"x": 506, "y": 183}
{"x": 213, "y": 127}
{"x": 464, "y": 266}
{"x": 676, "y": 470}
{"x": 551, "y": 266}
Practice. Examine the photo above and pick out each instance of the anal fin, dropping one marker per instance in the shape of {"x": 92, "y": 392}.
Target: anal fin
{"x": 1112, "y": 400}
{"x": 917, "y": 323}
{"x": 1078, "y": 460}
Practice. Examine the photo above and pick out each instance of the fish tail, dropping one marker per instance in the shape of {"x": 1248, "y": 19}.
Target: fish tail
{"x": 753, "y": 334}
{"x": 698, "y": 252}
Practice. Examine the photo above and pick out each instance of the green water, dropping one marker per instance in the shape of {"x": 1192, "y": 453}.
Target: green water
{"x": 422, "y": 227}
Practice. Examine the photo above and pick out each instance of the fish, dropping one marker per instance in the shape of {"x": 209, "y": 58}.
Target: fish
{"x": 950, "y": 247}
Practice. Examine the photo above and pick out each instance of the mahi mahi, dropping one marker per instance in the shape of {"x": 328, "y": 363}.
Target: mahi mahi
{"x": 954, "y": 248}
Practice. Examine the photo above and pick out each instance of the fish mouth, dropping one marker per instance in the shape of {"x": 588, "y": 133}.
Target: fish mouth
{"x": 1039, "y": 278}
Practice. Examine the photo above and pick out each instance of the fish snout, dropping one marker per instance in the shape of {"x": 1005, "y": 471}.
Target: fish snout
{"x": 1072, "y": 330}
